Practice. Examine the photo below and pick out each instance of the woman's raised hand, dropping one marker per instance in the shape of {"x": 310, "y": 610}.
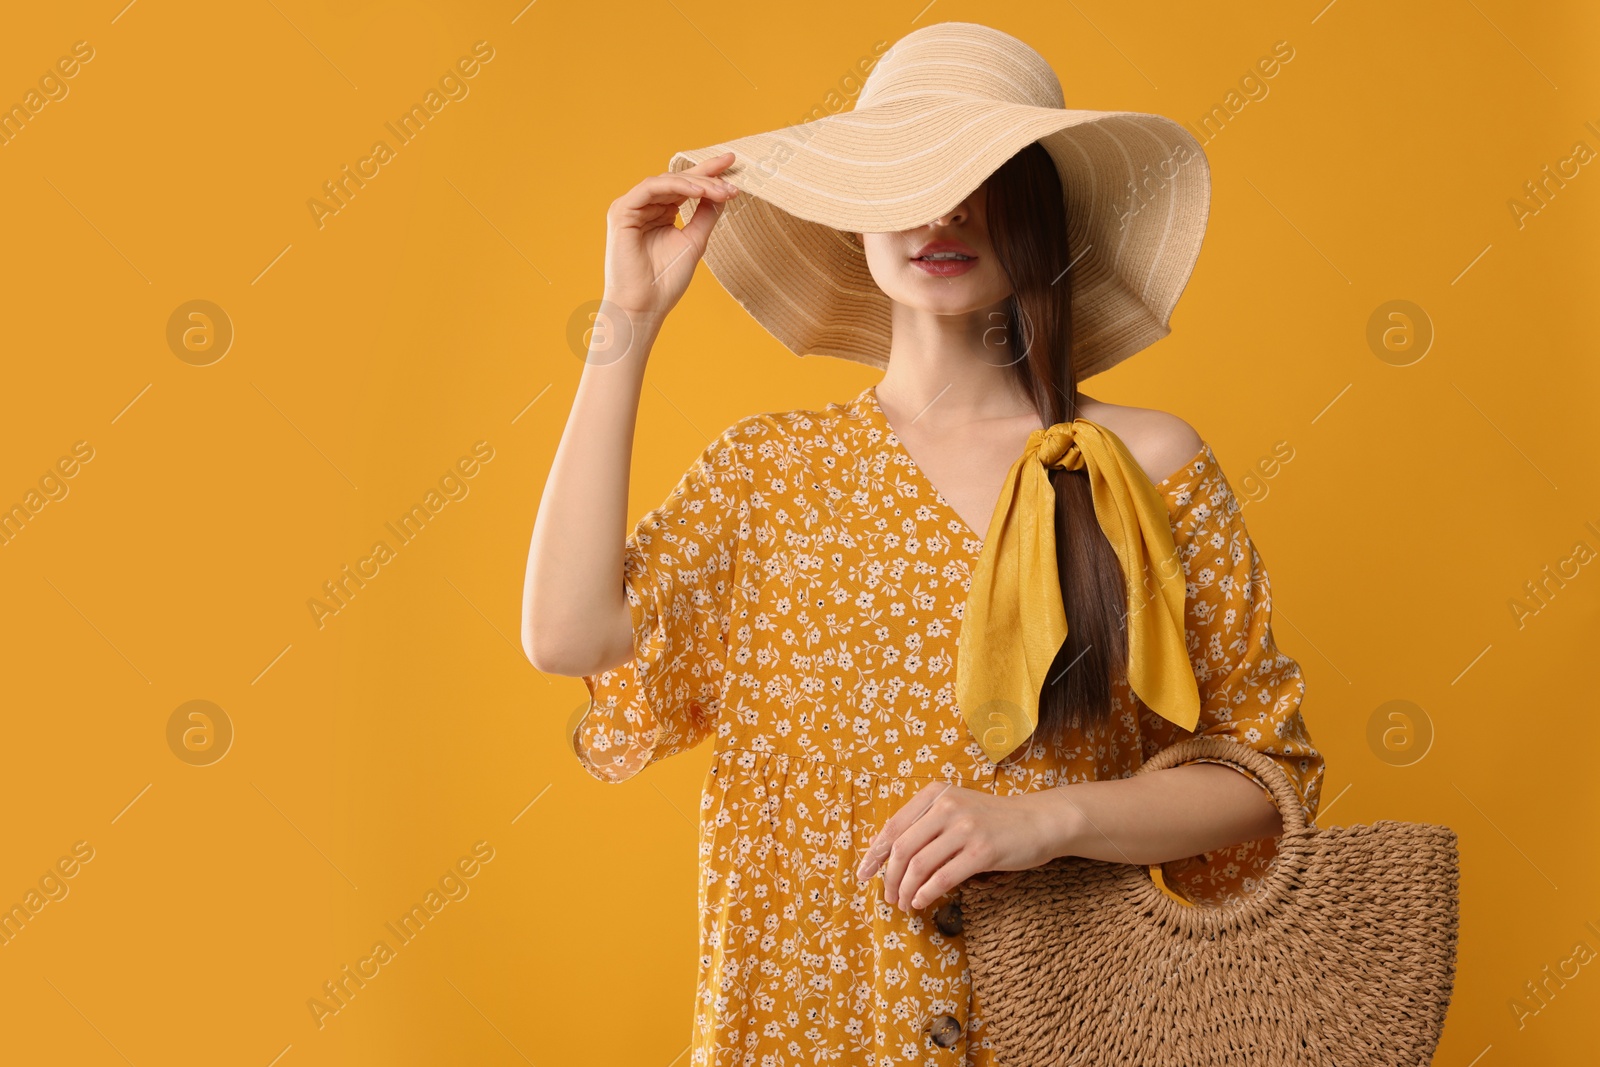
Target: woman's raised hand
{"x": 649, "y": 260}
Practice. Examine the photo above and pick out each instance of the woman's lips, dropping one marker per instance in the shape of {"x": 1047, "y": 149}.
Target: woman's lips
{"x": 945, "y": 268}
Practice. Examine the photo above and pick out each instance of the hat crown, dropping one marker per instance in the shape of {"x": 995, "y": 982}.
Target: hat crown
{"x": 963, "y": 57}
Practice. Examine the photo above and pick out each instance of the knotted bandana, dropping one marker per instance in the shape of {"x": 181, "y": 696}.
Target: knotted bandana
{"x": 1015, "y": 622}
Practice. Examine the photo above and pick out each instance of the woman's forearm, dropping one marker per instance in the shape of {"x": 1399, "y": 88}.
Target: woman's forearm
{"x": 574, "y": 617}
{"x": 1152, "y": 818}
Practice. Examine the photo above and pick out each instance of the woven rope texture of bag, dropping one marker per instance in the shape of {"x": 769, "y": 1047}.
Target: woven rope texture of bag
{"x": 1345, "y": 954}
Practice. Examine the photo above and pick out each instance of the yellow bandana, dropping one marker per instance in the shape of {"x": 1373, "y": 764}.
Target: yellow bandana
{"x": 1014, "y": 621}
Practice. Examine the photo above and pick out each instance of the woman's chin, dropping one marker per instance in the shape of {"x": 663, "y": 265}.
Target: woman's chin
{"x": 947, "y": 296}
{"x": 967, "y": 293}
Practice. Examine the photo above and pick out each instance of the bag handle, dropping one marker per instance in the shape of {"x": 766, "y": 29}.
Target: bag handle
{"x": 1284, "y": 797}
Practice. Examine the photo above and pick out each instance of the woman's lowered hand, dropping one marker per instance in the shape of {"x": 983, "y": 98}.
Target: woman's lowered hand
{"x": 945, "y": 834}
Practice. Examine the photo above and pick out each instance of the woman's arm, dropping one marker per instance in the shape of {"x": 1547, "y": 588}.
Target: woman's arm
{"x": 1152, "y": 818}
{"x": 1144, "y": 819}
{"x": 575, "y": 618}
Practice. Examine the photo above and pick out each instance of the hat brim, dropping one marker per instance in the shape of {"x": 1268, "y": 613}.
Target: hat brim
{"x": 1137, "y": 190}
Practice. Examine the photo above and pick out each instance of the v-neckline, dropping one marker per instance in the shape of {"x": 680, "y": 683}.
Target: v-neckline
{"x": 1166, "y": 487}
{"x": 968, "y": 533}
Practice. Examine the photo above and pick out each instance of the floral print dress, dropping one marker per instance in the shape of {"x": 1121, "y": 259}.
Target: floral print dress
{"x": 797, "y": 600}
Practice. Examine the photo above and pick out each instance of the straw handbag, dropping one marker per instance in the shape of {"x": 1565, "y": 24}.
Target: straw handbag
{"x": 1344, "y": 955}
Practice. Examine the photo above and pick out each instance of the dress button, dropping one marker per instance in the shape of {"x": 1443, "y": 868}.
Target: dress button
{"x": 945, "y": 1030}
{"x": 948, "y": 918}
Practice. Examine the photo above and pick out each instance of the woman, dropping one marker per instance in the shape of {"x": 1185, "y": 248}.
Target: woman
{"x": 801, "y": 596}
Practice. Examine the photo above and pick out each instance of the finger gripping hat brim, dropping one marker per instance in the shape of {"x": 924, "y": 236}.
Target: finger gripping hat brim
{"x": 1137, "y": 189}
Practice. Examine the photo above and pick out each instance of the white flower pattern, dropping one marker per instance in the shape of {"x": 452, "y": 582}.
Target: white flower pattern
{"x": 798, "y": 598}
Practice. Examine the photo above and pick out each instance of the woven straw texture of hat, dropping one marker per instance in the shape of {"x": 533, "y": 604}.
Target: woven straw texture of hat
{"x": 1346, "y": 955}
{"x": 943, "y": 108}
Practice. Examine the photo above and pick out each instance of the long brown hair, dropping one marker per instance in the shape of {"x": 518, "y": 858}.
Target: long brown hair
{"x": 1027, "y": 219}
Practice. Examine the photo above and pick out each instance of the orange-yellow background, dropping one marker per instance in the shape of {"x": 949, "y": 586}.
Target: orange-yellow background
{"x": 433, "y": 312}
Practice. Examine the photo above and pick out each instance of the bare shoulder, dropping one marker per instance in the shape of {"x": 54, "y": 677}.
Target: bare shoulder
{"x": 1161, "y": 441}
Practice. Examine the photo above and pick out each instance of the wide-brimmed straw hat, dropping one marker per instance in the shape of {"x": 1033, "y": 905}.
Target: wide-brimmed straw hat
{"x": 943, "y": 108}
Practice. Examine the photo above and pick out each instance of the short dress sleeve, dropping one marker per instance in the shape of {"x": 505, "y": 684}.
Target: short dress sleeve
{"x": 679, "y": 577}
{"x": 1250, "y": 691}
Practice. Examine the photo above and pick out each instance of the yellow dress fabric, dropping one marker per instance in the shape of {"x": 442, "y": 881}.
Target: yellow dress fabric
{"x": 797, "y": 600}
